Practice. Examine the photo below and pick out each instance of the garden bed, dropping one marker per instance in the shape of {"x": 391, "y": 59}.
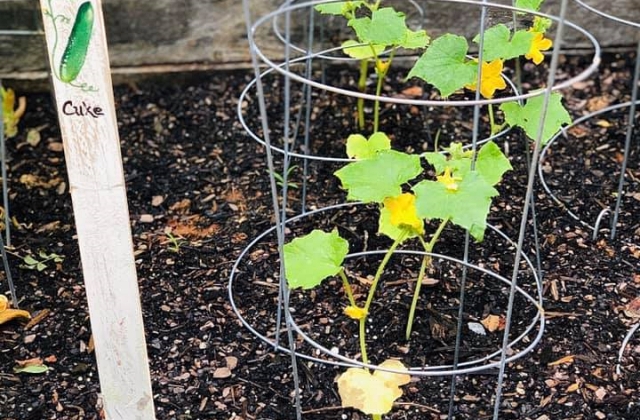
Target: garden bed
{"x": 190, "y": 168}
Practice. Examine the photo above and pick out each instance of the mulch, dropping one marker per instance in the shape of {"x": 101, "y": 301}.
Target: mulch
{"x": 192, "y": 171}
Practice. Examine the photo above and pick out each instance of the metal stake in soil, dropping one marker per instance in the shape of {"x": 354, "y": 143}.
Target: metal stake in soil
{"x": 553, "y": 67}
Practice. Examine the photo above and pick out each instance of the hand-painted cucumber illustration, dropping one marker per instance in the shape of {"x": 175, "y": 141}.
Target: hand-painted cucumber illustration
{"x": 78, "y": 44}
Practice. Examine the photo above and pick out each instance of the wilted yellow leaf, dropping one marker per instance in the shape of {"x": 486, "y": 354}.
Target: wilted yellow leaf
{"x": 372, "y": 393}
{"x": 9, "y": 314}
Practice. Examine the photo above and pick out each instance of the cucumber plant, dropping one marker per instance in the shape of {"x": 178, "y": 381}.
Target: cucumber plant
{"x": 460, "y": 195}
{"x": 377, "y": 30}
{"x": 445, "y": 63}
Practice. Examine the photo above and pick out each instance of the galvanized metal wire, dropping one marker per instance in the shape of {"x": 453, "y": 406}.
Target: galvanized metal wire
{"x": 614, "y": 210}
{"x": 297, "y": 56}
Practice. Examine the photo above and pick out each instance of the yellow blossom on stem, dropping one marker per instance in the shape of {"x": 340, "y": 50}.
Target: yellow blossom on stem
{"x": 539, "y": 44}
{"x": 492, "y": 79}
{"x": 450, "y": 182}
{"x": 355, "y": 312}
{"x": 382, "y": 66}
{"x": 403, "y": 212}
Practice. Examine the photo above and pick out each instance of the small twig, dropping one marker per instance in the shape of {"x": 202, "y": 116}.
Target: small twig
{"x": 426, "y": 407}
{"x": 323, "y": 409}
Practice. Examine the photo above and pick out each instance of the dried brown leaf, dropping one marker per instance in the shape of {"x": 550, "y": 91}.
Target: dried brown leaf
{"x": 36, "y": 361}
{"x": 494, "y": 323}
{"x": 222, "y": 372}
{"x": 632, "y": 309}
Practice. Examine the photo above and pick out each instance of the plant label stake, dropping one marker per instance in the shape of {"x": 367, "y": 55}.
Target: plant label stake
{"x": 77, "y": 48}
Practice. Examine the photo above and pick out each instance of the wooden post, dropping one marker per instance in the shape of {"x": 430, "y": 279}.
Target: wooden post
{"x": 79, "y": 62}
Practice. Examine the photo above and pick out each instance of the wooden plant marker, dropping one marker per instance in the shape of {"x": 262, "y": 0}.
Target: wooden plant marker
{"x": 77, "y": 48}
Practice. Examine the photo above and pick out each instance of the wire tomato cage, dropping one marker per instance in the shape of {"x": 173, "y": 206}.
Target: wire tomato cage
{"x": 613, "y": 211}
{"x": 279, "y": 110}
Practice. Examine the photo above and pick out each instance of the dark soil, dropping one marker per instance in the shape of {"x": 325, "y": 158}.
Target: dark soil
{"x": 191, "y": 168}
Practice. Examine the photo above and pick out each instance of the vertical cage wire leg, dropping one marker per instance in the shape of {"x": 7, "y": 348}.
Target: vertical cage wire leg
{"x": 274, "y": 195}
{"x": 627, "y": 141}
{"x": 7, "y": 270}
{"x": 474, "y": 146}
{"x": 5, "y": 183}
{"x": 525, "y": 212}
{"x": 285, "y": 171}
{"x": 7, "y": 218}
{"x": 307, "y": 111}
{"x": 534, "y": 218}
{"x": 525, "y": 140}
{"x": 282, "y": 226}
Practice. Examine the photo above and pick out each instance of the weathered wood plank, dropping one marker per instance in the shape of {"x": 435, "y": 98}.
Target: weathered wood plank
{"x": 213, "y": 31}
{"x": 84, "y": 99}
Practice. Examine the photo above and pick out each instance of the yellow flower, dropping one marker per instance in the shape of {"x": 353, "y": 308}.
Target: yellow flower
{"x": 355, "y": 312}
{"x": 539, "y": 44}
{"x": 382, "y": 66}
{"x": 491, "y": 79}
{"x": 450, "y": 182}
{"x": 403, "y": 212}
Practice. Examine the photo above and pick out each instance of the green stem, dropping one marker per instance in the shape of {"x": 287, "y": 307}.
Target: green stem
{"x": 362, "y": 86}
{"x": 494, "y": 127}
{"x": 372, "y": 291}
{"x": 426, "y": 261}
{"x": 380, "y": 81}
{"x": 376, "y": 417}
{"x": 492, "y": 120}
{"x": 347, "y": 287}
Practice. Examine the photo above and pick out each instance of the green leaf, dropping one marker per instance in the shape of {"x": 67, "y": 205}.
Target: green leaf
{"x": 29, "y": 260}
{"x": 466, "y": 207}
{"x": 541, "y": 24}
{"x": 373, "y": 180}
{"x": 491, "y": 163}
{"x": 415, "y": 39}
{"x": 33, "y": 369}
{"x": 528, "y": 116}
{"x": 458, "y": 159}
{"x": 444, "y": 65}
{"x": 312, "y": 258}
{"x": 437, "y": 160}
{"x": 385, "y": 27}
{"x": 529, "y": 4}
{"x": 498, "y": 43}
{"x": 359, "y": 51}
{"x": 359, "y": 147}
{"x": 340, "y": 8}
{"x": 394, "y": 232}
